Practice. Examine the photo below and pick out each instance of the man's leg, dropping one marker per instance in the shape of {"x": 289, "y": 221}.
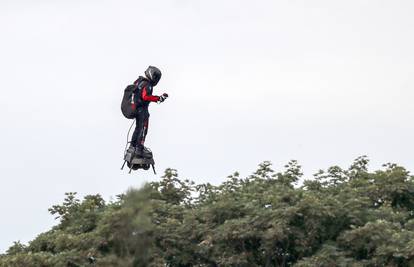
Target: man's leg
{"x": 141, "y": 140}
{"x": 139, "y": 130}
{"x": 146, "y": 122}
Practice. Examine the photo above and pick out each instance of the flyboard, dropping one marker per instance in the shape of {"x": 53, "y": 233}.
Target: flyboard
{"x": 135, "y": 162}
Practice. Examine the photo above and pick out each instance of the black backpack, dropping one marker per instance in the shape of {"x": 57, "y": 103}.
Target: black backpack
{"x": 132, "y": 99}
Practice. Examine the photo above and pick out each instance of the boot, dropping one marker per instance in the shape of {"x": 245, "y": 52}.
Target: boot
{"x": 146, "y": 153}
{"x": 138, "y": 152}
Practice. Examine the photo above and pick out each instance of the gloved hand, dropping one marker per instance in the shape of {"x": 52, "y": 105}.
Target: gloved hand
{"x": 163, "y": 97}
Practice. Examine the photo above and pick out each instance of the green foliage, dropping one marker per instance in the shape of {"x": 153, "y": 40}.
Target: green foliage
{"x": 16, "y": 248}
{"x": 341, "y": 217}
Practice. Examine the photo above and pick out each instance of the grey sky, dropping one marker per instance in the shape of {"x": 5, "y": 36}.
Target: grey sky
{"x": 318, "y": 81}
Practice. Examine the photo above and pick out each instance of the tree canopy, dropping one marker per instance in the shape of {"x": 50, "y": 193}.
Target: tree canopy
{"x": 339, "y": 217}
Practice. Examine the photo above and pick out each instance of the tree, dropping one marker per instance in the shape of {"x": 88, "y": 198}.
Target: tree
{"x": 340, "y": 217}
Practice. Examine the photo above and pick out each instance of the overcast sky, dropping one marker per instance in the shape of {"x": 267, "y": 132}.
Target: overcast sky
{"x": 322, "y": 82}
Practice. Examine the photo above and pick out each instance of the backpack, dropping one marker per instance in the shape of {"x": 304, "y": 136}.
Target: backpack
{"x": 132, "y": 99}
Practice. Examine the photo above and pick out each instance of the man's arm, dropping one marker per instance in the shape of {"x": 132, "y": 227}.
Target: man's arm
{"x": 147, "y": 97}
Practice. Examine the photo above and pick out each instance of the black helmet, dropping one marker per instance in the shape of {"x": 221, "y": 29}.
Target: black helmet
{"x": 153, "y": 74}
